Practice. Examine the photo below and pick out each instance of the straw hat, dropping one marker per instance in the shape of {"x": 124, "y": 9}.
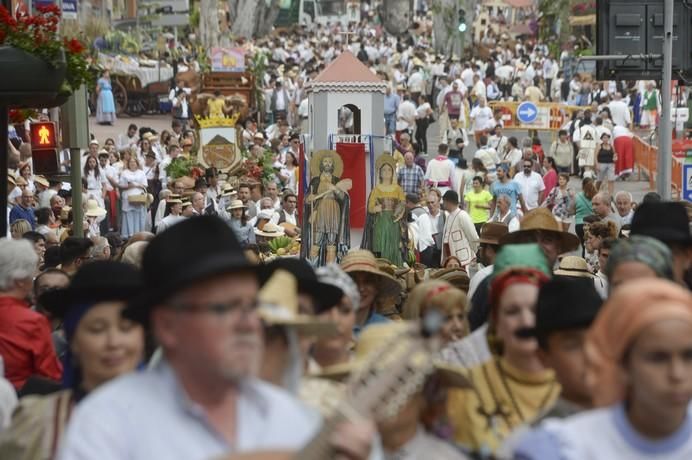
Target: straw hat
{"x": 228, "y": 190}
{"x": 11, "y": 180}
{"x": 21, "y": 181}
{"x": 270, "y": 230}
{"x": 363, "y": 261}
{"x": 573, "y": 266}
{"x": 103, "y": 153}
{"x": 64, "y": 212}
{"x": 278, "y": 306}
{"x": 94, "y": 210}
{"x": 41, "y": 181}
{"x": 454, "y": 276}
{"x": 376, "y": 336}
{"x": 236, "y": 204}
{"x": 492, "y": 232}
{"x": 541, "y": 219}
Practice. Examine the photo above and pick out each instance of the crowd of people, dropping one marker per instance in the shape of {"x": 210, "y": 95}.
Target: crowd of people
{"x": 561, "y": 317}
{"x": 201, "y": 351}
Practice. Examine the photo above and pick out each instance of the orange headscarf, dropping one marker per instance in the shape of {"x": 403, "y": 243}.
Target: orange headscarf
{"x": 629, "y": 310}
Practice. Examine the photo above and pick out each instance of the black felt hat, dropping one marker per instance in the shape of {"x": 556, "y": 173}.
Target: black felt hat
{"x": 564, "y": 303}
{"x": 325, "y": 295}
{"x": 667, "y": 221}
{"x": 193, "y": 250}
{"x": 95, "y": 282}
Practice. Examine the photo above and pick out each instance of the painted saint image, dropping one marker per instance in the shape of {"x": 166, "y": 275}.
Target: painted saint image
{"x": 326, "y": 230}
{"x": 386, "y": 230}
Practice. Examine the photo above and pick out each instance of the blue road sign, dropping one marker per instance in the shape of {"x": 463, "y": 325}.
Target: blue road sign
{"x": 527, "y": 112}
{"x": 687, "y": 182}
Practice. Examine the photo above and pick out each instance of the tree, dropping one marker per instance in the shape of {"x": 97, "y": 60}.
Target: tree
{"x": 209, "y": 23}
{"x": 253, "y": 18}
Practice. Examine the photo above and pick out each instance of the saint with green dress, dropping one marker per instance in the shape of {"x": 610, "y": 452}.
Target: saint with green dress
{"x": 385, "y": 233}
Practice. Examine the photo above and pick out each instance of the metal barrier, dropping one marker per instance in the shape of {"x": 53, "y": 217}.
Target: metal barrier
{"x": 646, "y": 158}
{"x": 551, "y": 115}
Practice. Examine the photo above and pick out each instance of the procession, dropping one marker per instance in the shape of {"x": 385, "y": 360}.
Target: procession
{"x": 316, "y": 230}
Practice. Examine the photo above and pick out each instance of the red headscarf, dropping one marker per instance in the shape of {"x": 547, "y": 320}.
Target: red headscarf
{"x": 509, "y": 277}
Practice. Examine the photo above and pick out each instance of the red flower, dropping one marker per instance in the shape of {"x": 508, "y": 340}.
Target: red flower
{"x": 74, "y": 46}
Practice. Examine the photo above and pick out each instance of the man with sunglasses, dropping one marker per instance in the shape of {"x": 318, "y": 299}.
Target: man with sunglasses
{"x": 531, "y": 183}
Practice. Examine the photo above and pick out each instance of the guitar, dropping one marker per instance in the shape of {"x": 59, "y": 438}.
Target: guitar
{"x": 378, "y": 390}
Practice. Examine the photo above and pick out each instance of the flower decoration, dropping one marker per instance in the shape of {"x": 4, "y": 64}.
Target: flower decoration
{"x": 38, "y": 35}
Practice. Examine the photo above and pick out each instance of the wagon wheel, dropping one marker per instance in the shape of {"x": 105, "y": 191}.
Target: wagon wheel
{"x": 120, "y": 96}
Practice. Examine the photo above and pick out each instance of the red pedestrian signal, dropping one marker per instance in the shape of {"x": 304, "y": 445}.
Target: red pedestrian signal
{"x": 43, "y": 135}
{"x": 43, "y": 148}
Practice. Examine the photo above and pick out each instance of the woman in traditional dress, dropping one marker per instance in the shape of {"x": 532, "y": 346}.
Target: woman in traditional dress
{"x": 386, "y": 207}
{"x": 102, "y": 346}
{"x": 95, "y": 179}
{"x": 133, "y": 182}
{"x": 638, "y": 354}
{"x": 105, "y": 106}
{"x": 513, "y": 387}
{"x": 239, "y": 223}
{"x": 172, "y": 216}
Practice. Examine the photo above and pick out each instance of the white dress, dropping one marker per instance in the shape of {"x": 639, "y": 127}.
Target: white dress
{"x": 133, "y": 215}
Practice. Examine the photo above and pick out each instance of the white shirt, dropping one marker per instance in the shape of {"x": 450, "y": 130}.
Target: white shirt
{"x": 480, "y": 117}
{"x": 620, "y": 113}
{"x": 467, "y": 77}
{"x": 147, "y": 415}
{"x": 415, "y": 82}
{"x": 531, "y": 186}
{"x": 290, "y": 218}
{"x": 406, "y": 113}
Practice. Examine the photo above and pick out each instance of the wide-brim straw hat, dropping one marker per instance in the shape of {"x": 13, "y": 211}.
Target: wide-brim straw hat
{"x": 573, "y": 266}
{"x": 41, "y": 181}
{"x": 270, "y": 230}
{"x": 541, "y": 219}
{"x": 364, "y": 261}
{"x": 236, "y": 204}
{"x": 492, "y": 232}
{"x": 373, "y": 338}
{"x": 455, "y": 276}
{"x": 94, "y": 210}
{"x": 278, "y": 306}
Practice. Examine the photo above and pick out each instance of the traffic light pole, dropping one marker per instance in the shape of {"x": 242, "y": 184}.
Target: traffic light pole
{"x": 665, "y": 145}
{"x": 4, "y": 155}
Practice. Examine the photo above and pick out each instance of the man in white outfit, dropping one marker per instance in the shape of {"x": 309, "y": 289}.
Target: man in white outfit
{"x": 620, "y": 111}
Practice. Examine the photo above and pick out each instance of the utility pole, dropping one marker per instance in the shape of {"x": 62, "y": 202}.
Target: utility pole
{"x": 665, "y": 144}
{"x": 75, "y": 136}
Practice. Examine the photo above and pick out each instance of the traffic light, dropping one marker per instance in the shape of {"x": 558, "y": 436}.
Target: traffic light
{"x": 44, "y": 144}
{"x": 462, "y": 20}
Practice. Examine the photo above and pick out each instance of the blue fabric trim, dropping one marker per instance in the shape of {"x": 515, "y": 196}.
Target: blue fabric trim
{"x": 647, "y": 446}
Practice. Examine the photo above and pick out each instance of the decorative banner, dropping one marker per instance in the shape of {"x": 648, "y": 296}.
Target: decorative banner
{"x": 353, "y": 156}
{"x": 227, "y": 60}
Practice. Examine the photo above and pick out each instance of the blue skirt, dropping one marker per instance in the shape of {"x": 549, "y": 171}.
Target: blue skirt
{"x": 133, "y": 221}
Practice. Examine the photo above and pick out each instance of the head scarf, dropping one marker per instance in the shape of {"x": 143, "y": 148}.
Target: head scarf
{"x": 644, "y": 249}
{"x": 334, "y": 275}
{"x": 516, "y": 263}
{"x": 624, "y": 316}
